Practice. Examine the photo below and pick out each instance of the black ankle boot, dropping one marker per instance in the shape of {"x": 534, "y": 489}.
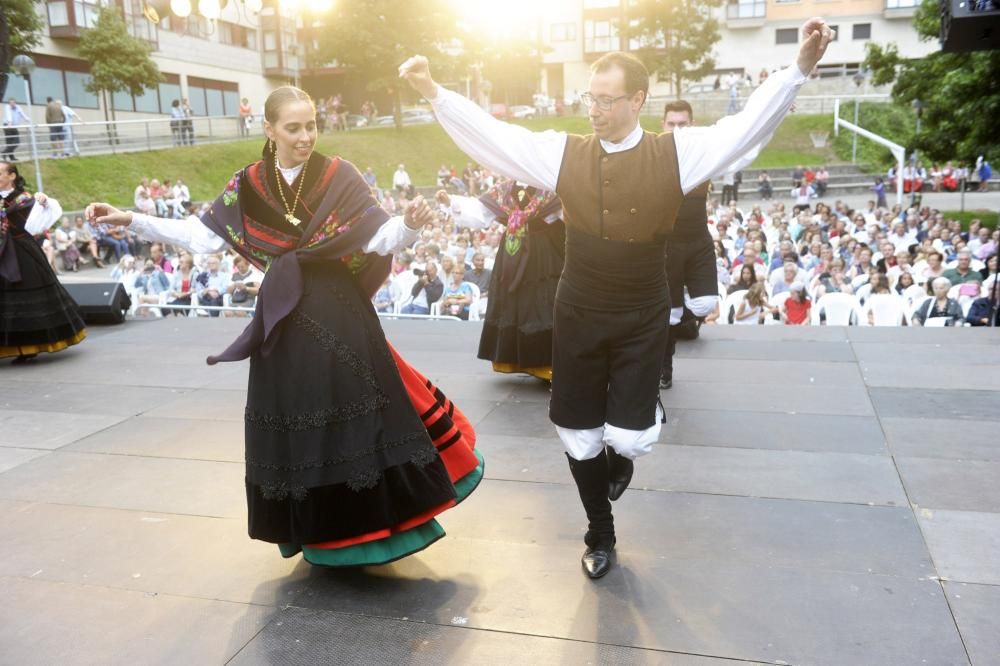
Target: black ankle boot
{"x": 667, "y": 368}
{"x": 591, "y": 478}
{"x": 620, "y": 471}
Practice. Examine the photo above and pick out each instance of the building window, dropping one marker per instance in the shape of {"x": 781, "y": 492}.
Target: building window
{"x": 237, "y": 35}
{"x": 58, "y": 78}
{"x": 58, "y": 13}
{"x": 786, "y": 36}
{"x": 600, "y": 36}
{"x": 87, "y": 11}
{"x": 836, "y": 32}
{"x": 746, "y": 9}
{"x": 861, "y": 31}
{"x": 213, "y": 98}
{"x": 76, "y": 94}
{"x": 563, "y": 32}
{"x": 901, "y": 4}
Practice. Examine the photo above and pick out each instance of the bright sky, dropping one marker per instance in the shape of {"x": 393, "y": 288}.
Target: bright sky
{"x": 514, "y": 17}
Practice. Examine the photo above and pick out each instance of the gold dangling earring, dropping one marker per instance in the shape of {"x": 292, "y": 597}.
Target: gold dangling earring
{"x": 272, "y": 146}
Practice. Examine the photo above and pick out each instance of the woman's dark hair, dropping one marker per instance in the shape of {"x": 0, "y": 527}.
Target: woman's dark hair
{"x": 19, "y": 184}
{"x": 906, "y": 274}
{"x": 753, "y": 274}
{"x": 175, "y": 103}
{"x": 278, "y": 98}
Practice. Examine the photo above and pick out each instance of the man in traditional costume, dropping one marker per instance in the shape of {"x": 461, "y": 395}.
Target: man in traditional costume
{"x": 621, "y": 190}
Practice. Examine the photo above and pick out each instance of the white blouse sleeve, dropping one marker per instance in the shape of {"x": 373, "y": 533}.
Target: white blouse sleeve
{"x": 190, "y": 234}
{"x": 43, "y": 216}
{"x": 391, "y": 237}
{"x": 705, "y": 152}
{"x": 469, "y": 212}
{"x": 513, "y": 151}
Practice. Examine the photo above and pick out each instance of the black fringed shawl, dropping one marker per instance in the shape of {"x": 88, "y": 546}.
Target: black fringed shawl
{"x": 340, "y": 215}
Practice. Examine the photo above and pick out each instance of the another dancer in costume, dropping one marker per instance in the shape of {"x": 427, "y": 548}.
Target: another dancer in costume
{"x": 350, "y": 452}
{"x": 691, "y": 270}
{"x": 517, "y": 332}
{"x": 621, "y": 189}
{"x": 36, "y": 313}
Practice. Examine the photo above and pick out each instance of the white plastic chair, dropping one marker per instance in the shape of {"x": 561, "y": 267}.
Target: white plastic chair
{"x": 729, "y": 304}
{"x": 886, "y": 310}
{"x": 936, "y": 322}
{"x": 839, "y": 309}
{"x": 474, "y": 306}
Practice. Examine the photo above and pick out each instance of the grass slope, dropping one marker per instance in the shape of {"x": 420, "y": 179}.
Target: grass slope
{"x": 207, "y": 168}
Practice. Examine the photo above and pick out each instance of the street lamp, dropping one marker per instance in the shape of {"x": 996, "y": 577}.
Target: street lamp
{"x": 24, "y": 66}
{"x": 859, "y": 78}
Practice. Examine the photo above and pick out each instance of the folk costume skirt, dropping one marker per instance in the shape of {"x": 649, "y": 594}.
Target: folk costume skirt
{"x": 350, "y": 453}
{"x": 36, "y": 314}
{"x": 517, "y": 331}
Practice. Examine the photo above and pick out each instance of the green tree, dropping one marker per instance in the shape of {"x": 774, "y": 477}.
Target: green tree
{"x": 373, "y": 37}
{"x": 676, "y": 38}
{"x": 118, "y": 61}
{"x": 20, "y": 32}
{"x": 959, "y": 93}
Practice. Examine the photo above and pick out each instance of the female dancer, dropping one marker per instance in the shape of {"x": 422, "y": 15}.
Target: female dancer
{"x": 517, "y": 333}
{"x": 36, "y": 313}
{"x": 350, "y": 453}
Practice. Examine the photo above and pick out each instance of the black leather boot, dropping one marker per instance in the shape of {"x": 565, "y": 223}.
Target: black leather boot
{"x": 667, "y": 368}
{"x": 620, "y": 471}
{"x": 591, "y": 478}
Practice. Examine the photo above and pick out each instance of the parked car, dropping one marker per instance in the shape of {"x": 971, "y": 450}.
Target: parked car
{"x": 697, "y": 88}
{"x": 522, "y": 111}
{"x": 356, "y": 120}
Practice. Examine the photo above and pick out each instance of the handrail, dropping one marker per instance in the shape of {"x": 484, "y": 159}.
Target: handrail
{"x": 898, "y": 151}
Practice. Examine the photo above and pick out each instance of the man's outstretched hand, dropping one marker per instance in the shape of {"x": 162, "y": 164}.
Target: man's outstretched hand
{"x": 417, "y": 72}
{"x": 816, "y": 36}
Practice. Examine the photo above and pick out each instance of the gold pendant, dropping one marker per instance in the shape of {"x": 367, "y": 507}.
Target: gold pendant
{"x": 294, "y": 221}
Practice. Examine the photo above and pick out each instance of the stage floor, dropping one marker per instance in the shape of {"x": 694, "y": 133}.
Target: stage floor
{"x": 818, "y": 496}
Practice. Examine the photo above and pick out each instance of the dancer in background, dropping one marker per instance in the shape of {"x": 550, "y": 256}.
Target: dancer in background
{"x": 517, "y": 332}
{"x": 350, "y": 452}
{"x": 36, "y": 313}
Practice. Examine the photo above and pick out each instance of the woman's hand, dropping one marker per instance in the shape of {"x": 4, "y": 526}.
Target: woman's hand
{"x": 442, "y": 197}
{"x": 41, "y": 198}
{"x": 102, "y": 213}
{"x": 418, "y": 214}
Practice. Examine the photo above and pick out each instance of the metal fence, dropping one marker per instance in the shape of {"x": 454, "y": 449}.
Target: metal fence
{"x": 716, "y": 105}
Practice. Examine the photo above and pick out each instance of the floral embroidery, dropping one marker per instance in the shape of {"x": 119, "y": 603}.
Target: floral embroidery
{"x": 232, "y": 191}
{"x": 355, "y": 262}
{"x": 235, "y": 237}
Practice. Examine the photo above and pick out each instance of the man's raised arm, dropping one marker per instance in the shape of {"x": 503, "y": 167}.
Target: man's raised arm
{"x": 706, "y": 152}
{"x": 531, "y": 157}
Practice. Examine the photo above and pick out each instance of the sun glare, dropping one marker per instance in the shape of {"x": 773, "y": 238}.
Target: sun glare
{"x": 512, "y": 18}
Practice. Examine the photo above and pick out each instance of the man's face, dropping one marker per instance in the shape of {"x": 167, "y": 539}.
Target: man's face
{"x": 790, "y": 273}
{"x": 963, "y": 261}
{"x": 478, "y": 262}
{"x": 213, "y": 264}
{"x": 933, "y": 261}
{"x": 674, "y": 119}
{"x": 984, "y": 234}
{"x": 615, "y": 123}
{"x": 749, "y": 255}
{"x": 432, "y": 271}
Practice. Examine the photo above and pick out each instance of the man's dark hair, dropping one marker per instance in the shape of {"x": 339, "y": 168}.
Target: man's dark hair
{"x": 678, "y": 106}
{"x": 636, "y": 74}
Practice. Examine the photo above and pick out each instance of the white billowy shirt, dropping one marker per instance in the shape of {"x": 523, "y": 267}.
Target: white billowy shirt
{"x": 42, "y": 216}
{"x": 194, "y": 236}
{"x": 536, "y": 157}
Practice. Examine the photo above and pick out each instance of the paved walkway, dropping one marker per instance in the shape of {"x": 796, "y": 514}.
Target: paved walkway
{"x": 818, "y": 496}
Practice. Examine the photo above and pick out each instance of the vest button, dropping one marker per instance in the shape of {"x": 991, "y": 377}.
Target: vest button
{"x": 633, "y": 211}
{"x": 631, "y": 240}
{"x": 606, "y": 211}
{"x": 606, "y": 238}
{"x": 604, "y": 159}
{"x": 607, "y": 182}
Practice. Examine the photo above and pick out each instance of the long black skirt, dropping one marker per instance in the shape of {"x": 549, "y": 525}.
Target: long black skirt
{"x": 36, "y": 314}
{"x": 334, "y": 447}
{"x": 517, "y": 332}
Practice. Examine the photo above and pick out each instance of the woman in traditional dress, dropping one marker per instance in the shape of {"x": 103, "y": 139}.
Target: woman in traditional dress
{"x": 350, "y": 452}
{"x": 36, "y": 313}
{"x": 517, "y": 333}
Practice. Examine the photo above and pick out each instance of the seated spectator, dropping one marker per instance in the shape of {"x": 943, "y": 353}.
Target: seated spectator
{"x": 795, "y": 309}
{"x": 149, "y": 284}
{"x": 933, "y": 268}
{"x": 384, "y": 298}
{"x": 213, "y": 284}
{"x": 753, "y": 306}
{"x": 457, "y": 295}
{"x": 244, "y": 285}
{"x": 764, "y": 186}
{"x": 144, "y": 203}
{"x": 832, "y": 280}
{"x": 117, "y": 239}
{"x": 783, "y": 281}
{"x": 63, "y": 235}
{"x": 979, "y": 312}
{"x": 159, "y": 258}
{"x": 85, "y": 238}
{"x": 426, "y": 291}
{"x": 904, "y": 282}
{"x": 939, "y": 305}
{"x": 182, "y": 284}
{"x": 746, "y": 279}
{"x": 480, "y": 275}
{"x": 125, "y": 272}
{"x": 963, "y": 272}
{"x": 822, "y": 178}
{"x": 159, "y": 195}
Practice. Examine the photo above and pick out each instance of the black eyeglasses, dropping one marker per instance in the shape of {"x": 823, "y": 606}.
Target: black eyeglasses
{"x": 603, "y": 103}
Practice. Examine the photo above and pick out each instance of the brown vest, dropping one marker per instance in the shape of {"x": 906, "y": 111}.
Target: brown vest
{"x": 619, "y": 209}
{"x": 692, "y": 218}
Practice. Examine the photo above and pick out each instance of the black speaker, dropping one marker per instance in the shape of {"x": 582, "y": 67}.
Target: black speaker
{"x": 970, "y": 25}
{"x": 100, "y": 302}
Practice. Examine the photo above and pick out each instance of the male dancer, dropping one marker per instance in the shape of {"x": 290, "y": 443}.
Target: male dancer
{"x": 690, "y": 252}
{"x": 621, "y": 190}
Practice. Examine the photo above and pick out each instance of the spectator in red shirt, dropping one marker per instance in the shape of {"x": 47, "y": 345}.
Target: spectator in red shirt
{"x": 795, "y": 310}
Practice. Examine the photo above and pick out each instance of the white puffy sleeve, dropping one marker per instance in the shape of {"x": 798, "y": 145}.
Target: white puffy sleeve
{"x": 391, "y": 237}
{"x": 43, "y": 216}
{"x": 190, "y": 234}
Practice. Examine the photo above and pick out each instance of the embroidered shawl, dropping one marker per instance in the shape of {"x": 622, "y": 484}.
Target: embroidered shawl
{"x": 340, "y": 215}
{"x": 14, "y": 211}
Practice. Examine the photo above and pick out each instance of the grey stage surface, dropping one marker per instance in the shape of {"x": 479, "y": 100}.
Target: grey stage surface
{"x": 819, "y": 496}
